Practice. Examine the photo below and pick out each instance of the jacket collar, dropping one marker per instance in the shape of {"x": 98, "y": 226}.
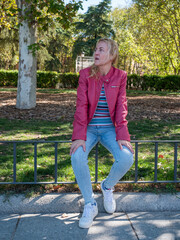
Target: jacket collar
{"x": 106, "y": 78}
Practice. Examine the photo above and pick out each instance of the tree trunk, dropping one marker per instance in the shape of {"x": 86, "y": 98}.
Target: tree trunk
{"x": 26, "y": 91}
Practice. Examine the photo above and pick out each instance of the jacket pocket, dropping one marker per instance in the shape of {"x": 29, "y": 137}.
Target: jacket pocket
{"x": 116, "y": 86}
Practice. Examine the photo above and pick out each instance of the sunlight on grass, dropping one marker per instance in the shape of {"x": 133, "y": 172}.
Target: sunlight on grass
{"x": 132, "y": 93}
{"x": 43, "y": 90}
{"x": 46, "y": 161}
{"x": 45, "y": 130}
{"x": 129, "y": 92}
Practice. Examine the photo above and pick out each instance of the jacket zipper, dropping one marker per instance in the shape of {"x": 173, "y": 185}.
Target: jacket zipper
{"x": 96, "y": 104}
{"x": 107, "y": 103}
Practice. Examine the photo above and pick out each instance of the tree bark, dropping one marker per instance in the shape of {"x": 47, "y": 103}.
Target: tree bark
{"x": 26, "y": 90}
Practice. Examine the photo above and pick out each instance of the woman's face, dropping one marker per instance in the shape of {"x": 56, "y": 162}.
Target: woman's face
{"x": 101, "y": 54}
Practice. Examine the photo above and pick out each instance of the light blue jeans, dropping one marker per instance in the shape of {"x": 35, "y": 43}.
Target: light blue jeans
{"x": 123, "y": 159}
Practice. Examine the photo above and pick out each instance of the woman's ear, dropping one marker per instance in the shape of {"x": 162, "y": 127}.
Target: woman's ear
{"x": 111, "y": 57}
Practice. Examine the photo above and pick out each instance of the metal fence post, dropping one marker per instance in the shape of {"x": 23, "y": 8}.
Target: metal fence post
{"x": 175, "y": 161}
{"x": 156, "y": 161}
{"x": 15, "y": 143}
{"x": 35, "y": 162}
{"x": 96, "y": 164}
{"x": 136, "y": 161}
{"x": 14, "y": 162}
{"x": 56, "y": 145}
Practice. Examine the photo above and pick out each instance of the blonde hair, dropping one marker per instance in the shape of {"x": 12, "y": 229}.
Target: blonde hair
{"x": 113, "y": 51}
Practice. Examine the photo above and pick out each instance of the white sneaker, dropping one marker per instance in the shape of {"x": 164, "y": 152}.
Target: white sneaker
{"x": 89, "y": 213}
{"x": 109, "y": 202}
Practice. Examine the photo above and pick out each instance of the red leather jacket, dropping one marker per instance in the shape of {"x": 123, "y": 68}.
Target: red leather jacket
{"x": 88, "y": 93}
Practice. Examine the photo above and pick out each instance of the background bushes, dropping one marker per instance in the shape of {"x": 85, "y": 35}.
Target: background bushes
{"x": 70, "y": 80}
{"x": 67, "y": 80}
{"x": 154, "y": 82}
{"x": 44, "y": 79}
{"x": 8, "y": 78}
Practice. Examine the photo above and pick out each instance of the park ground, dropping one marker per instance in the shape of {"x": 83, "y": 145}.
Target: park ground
{"x": 152, "y": 115}
{"x": 55, "y": 105}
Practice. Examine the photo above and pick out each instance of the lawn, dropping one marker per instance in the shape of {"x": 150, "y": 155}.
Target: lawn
{"x": 34, "y": 129}
{"x": 52, "y": 131}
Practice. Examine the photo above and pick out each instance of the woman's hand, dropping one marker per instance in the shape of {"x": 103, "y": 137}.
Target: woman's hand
{"x": 76, "y": 144}
{"x": 126, "y": 144}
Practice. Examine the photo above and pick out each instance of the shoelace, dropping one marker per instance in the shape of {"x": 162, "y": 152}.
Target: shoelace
{"x": 109, "y": 195}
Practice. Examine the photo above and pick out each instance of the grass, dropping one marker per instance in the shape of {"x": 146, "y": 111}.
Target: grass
{"x": 45, "y": 130}
{"x": 48, "y": 130}
{"x": 42, "y": 90}
{"x": 130, "y": 93}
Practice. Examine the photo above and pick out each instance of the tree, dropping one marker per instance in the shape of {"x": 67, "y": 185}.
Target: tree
{"x": 59, "y": 43}
{"x": 124, "y": 38}
{"x": 91, "y": 26}
{"x": 8, "y": 34}
{"x": 8, "y": 17}
{"x": 33, "y": 15}
{"x": 148, "y": 36}
{"x": 161, "y": 21}
{"x": 8, "y": 48}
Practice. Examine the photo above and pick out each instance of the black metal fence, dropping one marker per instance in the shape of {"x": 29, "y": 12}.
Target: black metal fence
{"x": 136, "y": 142}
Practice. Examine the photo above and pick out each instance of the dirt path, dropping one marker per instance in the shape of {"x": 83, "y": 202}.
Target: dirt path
{"x": 62, "y": 107}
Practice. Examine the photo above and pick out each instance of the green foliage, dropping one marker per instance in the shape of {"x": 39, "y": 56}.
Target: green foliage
{"x": 148, "y": 34}
{"x": 8, "y": 48}
{"x": 35, "y": 47}
{"x": 133, "y": 80}
{"x": 59, "y": 130}
{"x": 124, "y": 26}
{"x": 58, "y": 43}
{"x": 68, "y": 80}
{"x": 44, "y": 79}
{"x": 8, "y": 78}
{"x": 159, "y": 32}
{"x": 172, "y": 82}
{"x": 91, "y": 26}
{"x": 54, "y": 43}
{"x": 154, "y": 82}
{"x": 57, "y": 80}
{"x": 8, "y": 17}
{"x": 45, "y": 13}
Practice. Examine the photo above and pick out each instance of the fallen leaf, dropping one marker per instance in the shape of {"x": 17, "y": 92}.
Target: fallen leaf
{"x": 56, "y": 187}
{"x": 53, "y": 107}
{"x": 64, "y": 215}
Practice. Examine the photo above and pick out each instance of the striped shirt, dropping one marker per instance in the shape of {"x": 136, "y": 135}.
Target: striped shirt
{"x": 101, "y": 116}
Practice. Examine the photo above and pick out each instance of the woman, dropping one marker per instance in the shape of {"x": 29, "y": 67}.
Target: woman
{"x": 100, "y": 116}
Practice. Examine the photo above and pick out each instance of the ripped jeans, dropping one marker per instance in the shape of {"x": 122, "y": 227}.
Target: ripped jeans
{"x": 123, "y": 159}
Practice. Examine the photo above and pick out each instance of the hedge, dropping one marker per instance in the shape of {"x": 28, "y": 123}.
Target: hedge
{"x": 44, "y": 79}
{"x": 154, "y": 82}
{"x": 67, "y": 80}
{"x": 8, "y": 78}
{"x": 70, "y": 80}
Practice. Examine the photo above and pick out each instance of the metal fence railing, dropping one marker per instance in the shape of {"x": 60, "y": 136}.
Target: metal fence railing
{"x": 136, "y": 142}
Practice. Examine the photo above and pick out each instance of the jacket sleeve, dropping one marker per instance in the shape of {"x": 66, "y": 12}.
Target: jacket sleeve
{"x": 80, "y": 116}
{"x": 122, "y": 132}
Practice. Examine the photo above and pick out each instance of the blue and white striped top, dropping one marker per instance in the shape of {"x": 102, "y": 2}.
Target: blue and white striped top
{"x": 101, "y": 116}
